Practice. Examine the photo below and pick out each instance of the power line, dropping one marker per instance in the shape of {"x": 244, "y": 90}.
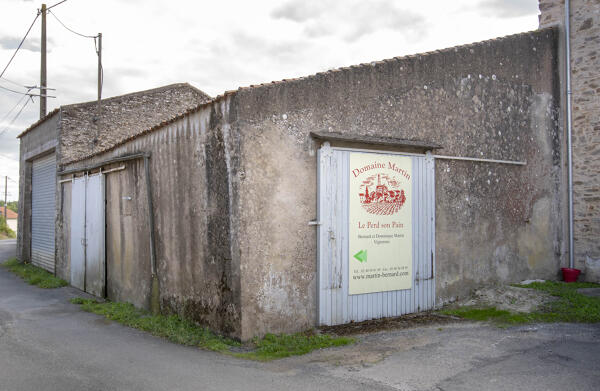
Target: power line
{"x": 6, "y": 157}
{"x": 29, "y": 89}
{"x": 20, "y": 44}
{"x": 15, "y": 117}
{"x": 11, "y": 90}
{"x": 71, "y": 30}
{"x": 23, "y": 85}
{"x": 12, "y": 82}
{"x": 59, "y": 3}
{"x": 11, "y": 110}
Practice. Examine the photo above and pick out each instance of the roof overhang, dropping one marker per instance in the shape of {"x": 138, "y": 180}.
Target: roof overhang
{"x": 374, "y": 140}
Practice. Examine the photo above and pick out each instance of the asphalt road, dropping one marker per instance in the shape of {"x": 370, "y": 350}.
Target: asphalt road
{"x": 46, "y": 343}
{"x": 8, "y": 249}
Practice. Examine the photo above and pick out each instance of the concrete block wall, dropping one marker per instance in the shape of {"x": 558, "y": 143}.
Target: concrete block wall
{"x": 495, "y": 223}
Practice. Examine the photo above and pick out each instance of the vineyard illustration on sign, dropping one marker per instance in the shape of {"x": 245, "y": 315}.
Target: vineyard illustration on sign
{"x": 386, "y": 199}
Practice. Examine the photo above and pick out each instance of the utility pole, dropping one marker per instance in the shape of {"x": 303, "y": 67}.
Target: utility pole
{"x": 5, "y": 199}
{"x": 43, "y": 65}
{"x": 99, "y": 72}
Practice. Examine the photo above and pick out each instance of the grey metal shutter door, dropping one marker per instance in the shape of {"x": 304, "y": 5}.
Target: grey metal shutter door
{"x": 335, "y": 304}
{"x": 43, "y": 205}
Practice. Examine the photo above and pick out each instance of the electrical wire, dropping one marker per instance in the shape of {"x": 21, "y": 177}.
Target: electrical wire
{"x": 20, "y": 44}
{"x": 71, "y": 30}
{"x": 6, "y": 157}
{"x": 15, "y": 117}
{"x": 12, "y": 82}
{"x": 13, "y": 108}
{"x": 94, "y": 37}
{"x": 16, "y": 92}
{"x": 59, "y": 3}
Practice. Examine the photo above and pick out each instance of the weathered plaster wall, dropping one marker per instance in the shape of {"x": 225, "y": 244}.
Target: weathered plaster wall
{"x": 128, "y": 274}
{"x": 63, "y": 232}
{"x": 585, "y": 98}
{"x": 495, "y": 223}
{"x": 198, "y": 275}
{"x": 36, "y": 143}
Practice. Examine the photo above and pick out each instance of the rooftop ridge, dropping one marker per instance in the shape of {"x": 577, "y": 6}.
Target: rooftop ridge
{"x": 228, "y": 93}
{"x": 132, "y": 94}
{"x": 112, "y": 99}
{"x": 394, "y": 59}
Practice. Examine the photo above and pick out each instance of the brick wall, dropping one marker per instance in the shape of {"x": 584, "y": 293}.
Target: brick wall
{"x": 585, "y": 86}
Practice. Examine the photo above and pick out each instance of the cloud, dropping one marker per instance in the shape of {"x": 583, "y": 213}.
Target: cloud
{"x": 300, "y": 11}
{"x": 350, "y": 19}
{"x": 11, "y": 43}
{"x": 508, "y": 8}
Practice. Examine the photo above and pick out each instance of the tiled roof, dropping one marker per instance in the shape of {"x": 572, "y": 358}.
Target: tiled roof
{"x": 11, "y": 214}
{"x": 85, "y": 131}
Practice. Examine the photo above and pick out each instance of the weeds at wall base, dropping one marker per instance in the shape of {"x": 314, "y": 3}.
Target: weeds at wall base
{"x": 5, "y": 231}
{"x": 570, "y": 306}
{"x": 34, "y": 275}
{"x": 185, "y": 332}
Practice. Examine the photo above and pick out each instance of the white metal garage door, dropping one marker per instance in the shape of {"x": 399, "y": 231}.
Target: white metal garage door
{"x": 376, "y": 234}
{"x": 43, "y": 204}
{"x": 88, "y": 234}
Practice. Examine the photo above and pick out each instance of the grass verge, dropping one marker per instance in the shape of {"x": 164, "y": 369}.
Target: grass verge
{"x": 570, "y": 306}
{"x": 34, "y": 275}
{"x": 5, "y": 231}
{"x": 272, "y": 346}
{"x": 185, "y": 332}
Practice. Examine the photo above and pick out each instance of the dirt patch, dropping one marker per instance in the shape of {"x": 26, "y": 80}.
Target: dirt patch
{"x": 401, "y": 322}
{"x": 508, "y": 298}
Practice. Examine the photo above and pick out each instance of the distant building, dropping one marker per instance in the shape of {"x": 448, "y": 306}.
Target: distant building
{"x": 11, "y": 218}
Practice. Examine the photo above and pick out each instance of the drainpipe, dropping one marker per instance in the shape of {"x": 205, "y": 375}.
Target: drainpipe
{"x": 569, "y": 128}
{"x": 155, "y": 293}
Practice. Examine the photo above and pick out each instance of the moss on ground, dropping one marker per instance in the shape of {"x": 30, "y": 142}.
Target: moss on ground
{"x": 569, "y": 306}
{"x": 185, "y": 332}
{"x": 34, "y": 275}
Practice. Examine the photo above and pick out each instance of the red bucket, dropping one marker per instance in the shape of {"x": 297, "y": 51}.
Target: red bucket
{"x": 569, "y": 274}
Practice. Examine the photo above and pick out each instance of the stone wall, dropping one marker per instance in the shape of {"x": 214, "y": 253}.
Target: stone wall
{"x": 585, "y": 86}
{"x": 494, "y": 223}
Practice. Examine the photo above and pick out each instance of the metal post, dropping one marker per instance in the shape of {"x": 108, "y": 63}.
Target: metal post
{"x": 569, "y": 130}
{"x": 5, "y": 198}
{"x": 155, "y": 293}
{"x": 43, "y": 81}
{"x": 99, "y": 72}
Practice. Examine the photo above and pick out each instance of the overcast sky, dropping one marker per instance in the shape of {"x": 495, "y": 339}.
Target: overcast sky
{"x": 222, "y": 45}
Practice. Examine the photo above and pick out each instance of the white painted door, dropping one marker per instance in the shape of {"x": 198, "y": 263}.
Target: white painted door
{"x": 88, "y": 234}
{"x": 78, "y": 233}
{"x": 94, "y": 233}
{"x": 335, "y": 304}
